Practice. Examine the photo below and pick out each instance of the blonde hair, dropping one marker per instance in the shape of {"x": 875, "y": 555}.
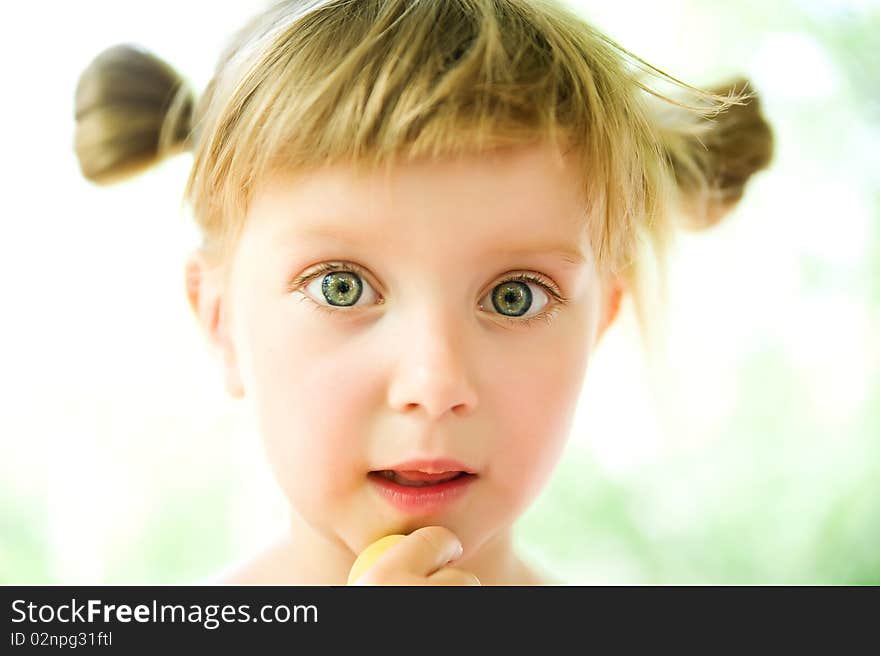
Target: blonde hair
{"x": 371, "y": 82}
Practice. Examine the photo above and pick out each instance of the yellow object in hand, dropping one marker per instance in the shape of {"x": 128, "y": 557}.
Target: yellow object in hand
{"x": 371, "y": 554}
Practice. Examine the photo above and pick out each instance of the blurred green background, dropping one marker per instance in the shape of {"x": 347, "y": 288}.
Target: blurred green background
{"x": 755, "y": 459}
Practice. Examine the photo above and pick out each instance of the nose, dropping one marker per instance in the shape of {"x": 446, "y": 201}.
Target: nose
{"x": 431, "y": 371}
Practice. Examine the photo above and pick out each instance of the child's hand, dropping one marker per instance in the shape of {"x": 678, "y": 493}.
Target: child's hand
{"x": 421, "y": 558}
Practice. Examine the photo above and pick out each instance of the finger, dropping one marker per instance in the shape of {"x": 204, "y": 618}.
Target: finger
{"x": 422, "y": 552}
{"x": 453, "y": 576}
{"x": 373, "y": 578}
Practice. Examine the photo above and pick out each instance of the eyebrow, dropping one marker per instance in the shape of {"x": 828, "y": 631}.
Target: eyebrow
{"x": 565, "y": 252}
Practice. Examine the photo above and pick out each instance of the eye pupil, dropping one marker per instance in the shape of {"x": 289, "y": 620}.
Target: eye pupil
{"x": 512, "y": 298}
{"x": 341, "y": 288}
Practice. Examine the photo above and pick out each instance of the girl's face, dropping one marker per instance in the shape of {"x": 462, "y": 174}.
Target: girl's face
{"x": 438, "y": 339}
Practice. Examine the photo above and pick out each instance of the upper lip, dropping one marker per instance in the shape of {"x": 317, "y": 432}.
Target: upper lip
{"x": 431, "y": 466}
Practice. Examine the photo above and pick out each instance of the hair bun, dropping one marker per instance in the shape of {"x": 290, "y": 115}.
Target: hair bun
{"x": 132, "y": 109}
{"x": 738, "y": 144}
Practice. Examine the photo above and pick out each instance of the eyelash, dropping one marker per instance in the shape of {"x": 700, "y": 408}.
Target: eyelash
{"x": 547, "y": 315}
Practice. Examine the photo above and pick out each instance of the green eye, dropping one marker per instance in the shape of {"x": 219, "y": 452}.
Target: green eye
{"x": 335, "y": 286}
{"x": 341, "y": 288}
{"x": 512, "y": 298}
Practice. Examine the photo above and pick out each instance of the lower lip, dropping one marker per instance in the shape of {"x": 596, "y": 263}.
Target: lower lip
{"x": 421, "y": 500}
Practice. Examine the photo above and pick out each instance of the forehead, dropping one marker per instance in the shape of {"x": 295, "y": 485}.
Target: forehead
{"x": 517, "y": 198}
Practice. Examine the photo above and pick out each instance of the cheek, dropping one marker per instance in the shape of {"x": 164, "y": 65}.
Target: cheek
{"x": 535, "y": 407}
{"x": 311, "y": 393}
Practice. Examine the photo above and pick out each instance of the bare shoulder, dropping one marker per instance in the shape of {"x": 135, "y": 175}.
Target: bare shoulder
{"x": 251, "y": 572}
{"x": 266, "y": 567}
{"x": 533, "y": 575}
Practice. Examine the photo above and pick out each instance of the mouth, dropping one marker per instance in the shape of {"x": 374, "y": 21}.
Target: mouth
{"x": 418, "y": 493}
{"x": 419, "y": 478}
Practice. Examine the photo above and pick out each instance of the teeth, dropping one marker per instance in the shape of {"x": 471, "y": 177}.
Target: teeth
{"x": 394, "y": 476}
{"x": 400, "y": 481}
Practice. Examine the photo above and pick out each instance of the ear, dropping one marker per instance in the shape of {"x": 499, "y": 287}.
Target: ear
{"x": 208, "y": 300}
{"x": 612, "y": 307}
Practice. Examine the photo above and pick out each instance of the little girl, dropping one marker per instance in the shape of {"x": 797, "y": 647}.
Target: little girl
{"x": 419, "y": 218}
